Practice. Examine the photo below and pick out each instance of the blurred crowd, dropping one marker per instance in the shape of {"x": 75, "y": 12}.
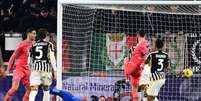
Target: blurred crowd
{"x": 18, "y": 15}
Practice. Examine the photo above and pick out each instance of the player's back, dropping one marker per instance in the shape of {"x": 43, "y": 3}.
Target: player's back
{"x": 158, "y": 60}
{"x": 40, "y": 56}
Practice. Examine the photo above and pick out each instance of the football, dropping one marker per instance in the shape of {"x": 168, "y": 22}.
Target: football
{"x": 187, "y": 73}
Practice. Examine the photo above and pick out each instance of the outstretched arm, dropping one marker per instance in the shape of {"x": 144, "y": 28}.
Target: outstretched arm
{"x": 10, "y": 63}
{"x": 12, "y": 59}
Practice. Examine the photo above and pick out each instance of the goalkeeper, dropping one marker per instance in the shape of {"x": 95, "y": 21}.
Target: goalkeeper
{"x": 133, "y": 65}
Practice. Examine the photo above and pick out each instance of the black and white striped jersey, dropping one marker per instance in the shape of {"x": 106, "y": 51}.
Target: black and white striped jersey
{"x": 158, "y": 61}
{"x": 40, "y": 56}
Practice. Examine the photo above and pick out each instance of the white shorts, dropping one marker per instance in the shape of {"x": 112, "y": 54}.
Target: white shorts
{"x": 38, "y": 78}
{"x": 154, "y": 87}
{"x": 145, "y": 75}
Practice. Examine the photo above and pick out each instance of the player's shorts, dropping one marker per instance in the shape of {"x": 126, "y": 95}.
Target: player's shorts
{"x": 145, "y": 75}
{"x": 135, "y": 78}
{"x": 21, "y": 74}
{"x": 154, "y": 87}
{"x": 37, "y": 78}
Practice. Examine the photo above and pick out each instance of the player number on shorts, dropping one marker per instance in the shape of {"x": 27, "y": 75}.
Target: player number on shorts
{"x": 160, "y": 63}
{"x": 39, "y": 50}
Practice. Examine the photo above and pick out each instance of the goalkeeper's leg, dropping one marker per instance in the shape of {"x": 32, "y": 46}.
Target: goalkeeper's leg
{"x": 135, "y": 78}
{"x": 135, "y": 86}
{"x": 17, "y": 77}
{"x": 129, "y": 67}
{"x": 26, "y": 95}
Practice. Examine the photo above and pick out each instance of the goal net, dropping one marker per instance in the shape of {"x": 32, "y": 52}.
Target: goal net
{"x": 96, "y": 38}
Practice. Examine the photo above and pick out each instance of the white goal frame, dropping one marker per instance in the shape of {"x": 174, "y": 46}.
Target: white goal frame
{"x": 106, "y": 2}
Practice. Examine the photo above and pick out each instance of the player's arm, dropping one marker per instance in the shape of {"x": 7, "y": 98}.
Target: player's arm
{"x": 52, "y": 59}
{"x": 168, "y": 67}
{"x": 167, "y": 63}
{"x": 29, "y": 61}
{"x": 12, "y": 58}
{"x": 148, "y": 60}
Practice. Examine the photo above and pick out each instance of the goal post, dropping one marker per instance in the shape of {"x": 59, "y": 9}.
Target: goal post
{"x": 93, "y": 37}
{"x": 59, "y": 44}
{"x": 126, "y": 2}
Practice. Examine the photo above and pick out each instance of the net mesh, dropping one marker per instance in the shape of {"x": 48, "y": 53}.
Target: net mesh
{"x": 96, "y": 38}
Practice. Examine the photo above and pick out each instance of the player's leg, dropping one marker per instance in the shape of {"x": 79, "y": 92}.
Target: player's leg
{"x": 151, "y": 98}
{"x": 33, "y": 93}
{"x": 46, "y": 96}
{"x": 34, "y": 84}
{"x": 154, "y": 88}
{"x": 12, "y": 91}
{"x": 144, "y": 81}
{"x": 135, "y": 78}
{"x": 143, "y": 94}
{"x": 26, "y": 95}
{"x": 130, "y": 67}
{"x": 46, "y": 81}
{"x": 26, "y": 83}
{"x": 17, "y": 76}
{"x": 135, "y": 86}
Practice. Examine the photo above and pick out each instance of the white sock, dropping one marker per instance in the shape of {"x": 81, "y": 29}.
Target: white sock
{"x": 46, "y": 96}
{"x": 156, "y": 99}
{"x": 32, "y": 95}
{"x": 144, "y": 99}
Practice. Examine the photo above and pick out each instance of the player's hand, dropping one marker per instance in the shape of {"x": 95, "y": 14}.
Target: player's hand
{"x": 126, "y": 60}
{"x": 127, "y": 79}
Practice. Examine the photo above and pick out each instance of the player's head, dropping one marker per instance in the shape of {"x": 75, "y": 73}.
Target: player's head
{"x": 159, "y": 44}
{"x": 31, "y": 34}
{"x": 44, "y": 12}
{"x": 42, "y": 33}
{"x": 141, "y": 34}
{"x": 102, "y": 98}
